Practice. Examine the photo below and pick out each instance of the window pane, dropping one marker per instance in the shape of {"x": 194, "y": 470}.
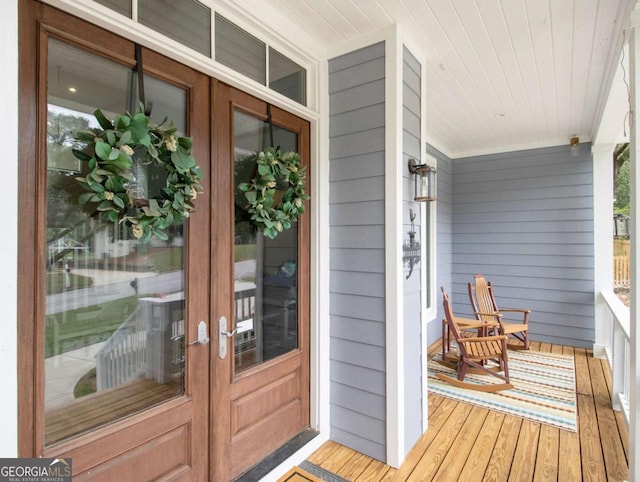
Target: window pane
{"x": 120, "y": 6}
{"x": 266, "y": 287}
{"x": 187, "y": 21}
{"x": 287, "y": 77}
{"x": 239, "y": 50}
{"x": 114, "y": 330}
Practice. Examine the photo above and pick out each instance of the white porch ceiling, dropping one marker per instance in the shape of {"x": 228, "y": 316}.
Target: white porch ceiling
{"x": 501, "y": 74}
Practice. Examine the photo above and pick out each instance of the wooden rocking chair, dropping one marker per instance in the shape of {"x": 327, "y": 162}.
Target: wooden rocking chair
{"x": 473, "y": 354}
{"x": 486, "y": 309}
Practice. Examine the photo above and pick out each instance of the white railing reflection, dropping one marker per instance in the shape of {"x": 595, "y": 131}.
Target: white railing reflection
{"x": 617, "y": 348}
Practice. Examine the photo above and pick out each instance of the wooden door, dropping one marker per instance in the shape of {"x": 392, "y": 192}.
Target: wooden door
{"x": 90, "y": 294}
{"x": 261, "y": 387}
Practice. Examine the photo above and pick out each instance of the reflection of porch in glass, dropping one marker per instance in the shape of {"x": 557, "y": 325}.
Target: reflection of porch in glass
{"x": 266, "y": 321}
{"x": 149, "y": 343}
{"x": 103, "y": 407}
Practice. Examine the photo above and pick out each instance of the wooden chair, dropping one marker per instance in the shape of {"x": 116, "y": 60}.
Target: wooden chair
{"x": 485, "y": 308}
{"x": 473, "y": 354}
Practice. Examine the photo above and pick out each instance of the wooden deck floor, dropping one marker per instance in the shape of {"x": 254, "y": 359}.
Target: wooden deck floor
{"x": 466, "y": 443}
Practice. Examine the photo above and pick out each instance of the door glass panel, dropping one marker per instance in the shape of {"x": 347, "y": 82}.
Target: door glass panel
{"x": 266, "y": 287}
{"x": 114, "y": 329}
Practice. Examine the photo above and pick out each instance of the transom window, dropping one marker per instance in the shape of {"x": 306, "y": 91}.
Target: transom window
{"x": 190, "y": 23}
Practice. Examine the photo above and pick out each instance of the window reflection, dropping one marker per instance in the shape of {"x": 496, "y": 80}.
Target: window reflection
{"x": 266, "y": 270}
{"x": 114, "y": 329}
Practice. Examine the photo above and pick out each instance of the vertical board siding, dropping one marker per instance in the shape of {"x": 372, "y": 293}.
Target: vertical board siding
{"x": 525, "y": 220}
{"x": 357, "y": 166}
{"x": 412, "y": 319}
{"x": 444, "y": 213}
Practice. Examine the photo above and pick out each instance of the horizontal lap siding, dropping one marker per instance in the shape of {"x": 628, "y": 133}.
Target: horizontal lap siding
{"x": 411, "y": 143}
{"x": 525, "y": 220}
{"x": 357, "y": 131}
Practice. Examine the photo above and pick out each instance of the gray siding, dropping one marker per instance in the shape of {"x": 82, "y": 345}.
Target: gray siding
{"x": 525, "y": 220}
{"x": 411, "y": 144}
{"x": 444, "y": 219}
{"x": 357, "y": 128}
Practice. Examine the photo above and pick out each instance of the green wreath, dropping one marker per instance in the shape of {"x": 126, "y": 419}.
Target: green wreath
{"x": 111, "y": 184}
{"x": 275, "y": 173}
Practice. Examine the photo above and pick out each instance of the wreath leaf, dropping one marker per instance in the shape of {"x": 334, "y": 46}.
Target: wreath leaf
{"x": 102, "y": 120}
{"x": 110, "y": 181}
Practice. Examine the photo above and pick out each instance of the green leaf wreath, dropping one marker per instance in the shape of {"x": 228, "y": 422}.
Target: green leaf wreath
{"x": 110, "y": 183}
{"x": 276, "y": 174}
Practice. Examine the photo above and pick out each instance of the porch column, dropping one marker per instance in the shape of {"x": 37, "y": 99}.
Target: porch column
{"x": 602, "y": 244}
{"x": 634, "y": 181}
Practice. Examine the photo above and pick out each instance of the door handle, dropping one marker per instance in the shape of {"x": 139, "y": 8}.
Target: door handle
{"x": 202, "y": 339}
{"x": 222, "y": 337}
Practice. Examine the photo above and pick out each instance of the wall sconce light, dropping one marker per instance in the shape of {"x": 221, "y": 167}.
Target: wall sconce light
{"x": 574, "y": 142}
{"x": 424, "y": 181}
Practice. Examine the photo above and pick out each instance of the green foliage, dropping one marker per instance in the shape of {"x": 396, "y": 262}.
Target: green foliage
{"x": 86, "y": 385}
{"x": 277, "y": 174}
{"x": 169, "y": 259}
{"x": 60, "y": 281}
{"x": 622, "y": 192}
{"x": 74, "y": 329}
{"x": 110, "y": 186}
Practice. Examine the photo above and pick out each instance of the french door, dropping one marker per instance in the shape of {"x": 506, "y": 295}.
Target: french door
{"x": 116, "y": 367}
{"x": 108, "y": 374}
{"x": 261, "y": 288}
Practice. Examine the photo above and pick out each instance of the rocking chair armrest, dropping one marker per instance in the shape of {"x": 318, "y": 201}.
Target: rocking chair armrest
{"x": 515, "y": 310}
{"x": 469, "y": 323}
{"x": 482, "y": 339}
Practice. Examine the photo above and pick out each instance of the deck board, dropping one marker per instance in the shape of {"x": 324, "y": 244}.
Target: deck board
{"x": 546, "y": 466}
{"x": 463, "y": 444}
{"x": 524, "y": 458}
{"x": 502, "y": 455}
{"x": 466, "y": 443}
{"x": 480, "y": 455}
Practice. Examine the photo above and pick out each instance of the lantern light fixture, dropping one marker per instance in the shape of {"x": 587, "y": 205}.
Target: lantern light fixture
{"x": 424, "y": 181}
{"x": 574, "y": 142}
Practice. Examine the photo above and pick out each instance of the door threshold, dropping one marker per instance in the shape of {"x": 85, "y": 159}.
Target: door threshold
{"x": 271, "y": 461}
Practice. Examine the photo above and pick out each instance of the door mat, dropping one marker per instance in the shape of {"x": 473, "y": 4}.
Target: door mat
{"x": 296, "y": 474}
{"x": 320, "y": 473}
{"x": 544, "y": 388}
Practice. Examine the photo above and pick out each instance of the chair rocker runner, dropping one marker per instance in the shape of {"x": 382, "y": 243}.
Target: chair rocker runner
{"x": 474, "y": 352}
{"x": 485, "y": 308}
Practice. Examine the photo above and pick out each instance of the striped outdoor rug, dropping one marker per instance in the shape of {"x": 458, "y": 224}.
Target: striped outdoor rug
{"x": 544, "y": 388}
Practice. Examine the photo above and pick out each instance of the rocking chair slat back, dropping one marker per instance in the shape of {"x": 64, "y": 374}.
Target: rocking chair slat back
{"x": 484, "y": 299}
{"x": 485, "y": 308}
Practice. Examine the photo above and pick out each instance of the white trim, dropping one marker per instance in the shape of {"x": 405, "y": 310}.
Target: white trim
{"x": 558, "y": 141}
{"x": 393, "y": 251}
{"x": 320, "y": 270}
{"x": 9, "y": 241}
{"x": 634, "y": 184}
{"x": 362, "y": 42}
{"x": 602, "y": 245}
{"x": 611, "y": 81}
{"x": 432, "y": 311}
